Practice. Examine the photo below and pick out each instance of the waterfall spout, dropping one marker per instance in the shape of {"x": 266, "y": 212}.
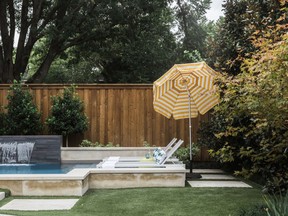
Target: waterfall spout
{"x": 13, "y": 152}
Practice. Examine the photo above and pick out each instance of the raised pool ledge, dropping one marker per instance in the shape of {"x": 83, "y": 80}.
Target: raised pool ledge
{"x": 98, "y": 153}
{"x": 78, "y": 181}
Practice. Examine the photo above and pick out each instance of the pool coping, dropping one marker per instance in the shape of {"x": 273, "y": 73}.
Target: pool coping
{"x": 82, "y": 173}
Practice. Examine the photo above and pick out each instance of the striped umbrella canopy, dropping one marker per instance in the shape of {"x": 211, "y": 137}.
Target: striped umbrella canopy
{"x": 184, "y": 91}
{"x": 182, "y": 82}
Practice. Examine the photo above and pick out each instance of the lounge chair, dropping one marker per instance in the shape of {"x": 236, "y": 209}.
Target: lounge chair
{"x": 159, "y": 162}
{"x": 142, "y": 159}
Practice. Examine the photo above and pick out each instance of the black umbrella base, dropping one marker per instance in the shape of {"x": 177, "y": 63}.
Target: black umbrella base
{"x": 191, "y": 176}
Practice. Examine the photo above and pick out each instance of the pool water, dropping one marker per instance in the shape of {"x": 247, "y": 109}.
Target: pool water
{"x": 41, "y": 168}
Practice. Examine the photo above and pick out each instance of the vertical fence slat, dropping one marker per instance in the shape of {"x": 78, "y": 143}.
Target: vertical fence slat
{"x": 132, "y": 118}
{"x": 88, "y": 111}
{"x": 102, "y": 125}
{"x": 149, "y": 116}
{"x": 93, "y": 118}
{"x": 125, "y": 126}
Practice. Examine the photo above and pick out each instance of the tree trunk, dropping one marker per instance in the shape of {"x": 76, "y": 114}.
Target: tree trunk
{"x": 21, "y": 55}
{"x": 7, "y": 28}
{"x": 66, "y": 141}
{"x": 29, "y": 34}
{"x": 183, "y": 15}
{"x": 41, "y": 73}
{"x": 1, "y": 65}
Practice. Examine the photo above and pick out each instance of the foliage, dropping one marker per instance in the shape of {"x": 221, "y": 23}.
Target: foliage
{"x": 190, "y": 16}
{"x": 130, "y": 41}
{"x": 59, "y": 24}
{"x": 277, "y": 205}
{"x": 22, "y": 116}
{"x": 87, "y": 143}
{"x": 2, "y": 123}
{"x": 92, "y": 40}
{"x": 146, "y": 144}
{"x": 67, "y": 114}
{"x": 63, "y": 71}
{"x": 256, "y": 210}
{"x": 231, "y": 43}
{"x": 193, "y": 56}
{"x": 183, "y": 153}
{"x": 250, "y": 128}
{"x": 138, "y": 47}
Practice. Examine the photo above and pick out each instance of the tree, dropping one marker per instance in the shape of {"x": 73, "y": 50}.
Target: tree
{"x": 138, "y": 48}
{"x": 191, "y": 19}
{"x": 59, "y": 24}
{"x": 232, "y": 42}
{"x": 250, "y": 127}
{"x": 22, "y": 116}
{"x": 129, "y": 40}
{"x": 67, "y": 114}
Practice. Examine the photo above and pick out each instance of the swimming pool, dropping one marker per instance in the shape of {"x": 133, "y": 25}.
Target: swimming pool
{"x": 41, "y": 168}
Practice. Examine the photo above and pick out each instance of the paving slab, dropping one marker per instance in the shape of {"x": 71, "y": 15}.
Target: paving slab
{"x": 217, "y": 177}
{"x": 206, "y": 171}
{"x": 2, "y": 196}
{"x": 236, "y": 184}
{"x": 39, "y": 204}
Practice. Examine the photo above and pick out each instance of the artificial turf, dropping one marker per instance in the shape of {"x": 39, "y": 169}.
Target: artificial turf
{"x": 158, "y": 201}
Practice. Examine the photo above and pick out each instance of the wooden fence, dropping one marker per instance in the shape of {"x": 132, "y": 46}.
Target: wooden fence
{"x": 118, "y": 113}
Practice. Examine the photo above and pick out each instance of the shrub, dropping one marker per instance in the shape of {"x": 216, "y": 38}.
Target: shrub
{"x": 257, "y": 210}
{"x": 67, "y": 114}
{"x": 2, "y": 123}
{"x": 87, "y": 143}
{"x": 22, "y": 116}
{"x": 183, "y": 153}
{"x": 249, "y": 128}
{"x": 146, "y": 144}
{"x": 277, "y": 205}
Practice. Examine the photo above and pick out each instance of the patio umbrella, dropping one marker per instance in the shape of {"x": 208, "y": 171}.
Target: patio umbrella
{"x": 184, "y": 91}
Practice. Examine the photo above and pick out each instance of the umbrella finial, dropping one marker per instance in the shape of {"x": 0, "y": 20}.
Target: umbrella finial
{"x": 184, "y": 82}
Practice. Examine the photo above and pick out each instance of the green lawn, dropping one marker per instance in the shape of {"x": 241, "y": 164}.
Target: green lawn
{"x": 159, "y": 201}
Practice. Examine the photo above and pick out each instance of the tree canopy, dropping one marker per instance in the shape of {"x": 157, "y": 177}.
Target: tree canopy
{"x": 232, "y": 40}
{"x": 118, "y": 41}
{"x": 62, "y": 24}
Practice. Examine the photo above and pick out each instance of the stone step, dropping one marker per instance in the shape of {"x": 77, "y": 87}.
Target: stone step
{"x": 206, "y": 171}
{"x": 2, "y": 195}
{"x": 235, "y": 184}
{"x": 217, "y": 177}
{"x": 39, "y": 204}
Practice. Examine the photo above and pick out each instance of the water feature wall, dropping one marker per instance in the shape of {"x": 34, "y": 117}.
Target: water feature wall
{"x": 14, "y": 152}
{"x": 30, "y": 149}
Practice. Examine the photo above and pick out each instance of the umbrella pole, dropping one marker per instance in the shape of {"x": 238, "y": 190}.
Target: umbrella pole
{"x": 191, "y": 175}
{"x": 190, "y": 130}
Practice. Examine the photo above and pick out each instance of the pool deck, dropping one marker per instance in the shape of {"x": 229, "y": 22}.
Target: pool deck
{"x": 78, "y": 181}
